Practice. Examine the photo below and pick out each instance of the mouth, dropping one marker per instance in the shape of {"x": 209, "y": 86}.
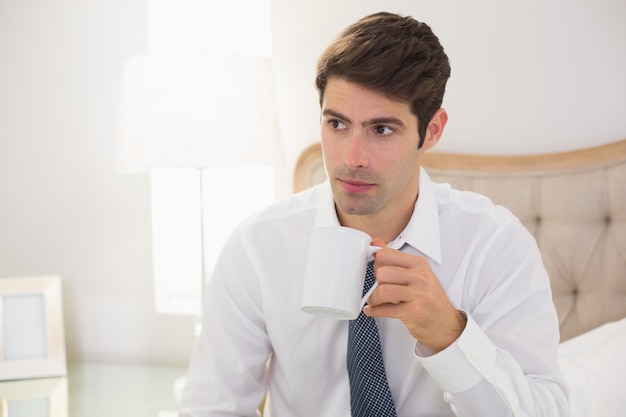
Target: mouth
{"x": 355, "y": 186}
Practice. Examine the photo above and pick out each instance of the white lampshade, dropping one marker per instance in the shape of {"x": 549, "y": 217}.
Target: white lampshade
{"x": 197, "y": 111}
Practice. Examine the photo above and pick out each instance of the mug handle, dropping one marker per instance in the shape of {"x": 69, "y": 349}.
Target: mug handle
{"x": 370, "y": 254}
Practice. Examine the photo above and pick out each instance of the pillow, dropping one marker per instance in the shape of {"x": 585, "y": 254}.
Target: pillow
{"x": 594, "y": 367}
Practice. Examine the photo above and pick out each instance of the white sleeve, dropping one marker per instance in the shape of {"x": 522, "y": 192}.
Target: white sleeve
{"x": 505, "y": 361}
{"x": 227, "y": 372}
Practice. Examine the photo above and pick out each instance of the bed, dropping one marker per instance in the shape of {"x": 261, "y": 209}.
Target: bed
{"x": 574, "y": 203}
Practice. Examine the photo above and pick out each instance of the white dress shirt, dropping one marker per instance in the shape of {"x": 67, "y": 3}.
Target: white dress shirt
{"x": 255, "y": 338}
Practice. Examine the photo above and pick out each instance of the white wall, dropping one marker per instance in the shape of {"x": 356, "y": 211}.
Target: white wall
{"x": 527, "y": 76}
{"x": 536, "y": 76}
{"x": 62, "y": 208}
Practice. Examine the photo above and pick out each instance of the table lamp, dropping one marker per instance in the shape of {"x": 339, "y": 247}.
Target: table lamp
{"x": 197, "y": 111}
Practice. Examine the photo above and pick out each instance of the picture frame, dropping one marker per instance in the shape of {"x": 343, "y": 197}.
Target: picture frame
{"x": 32, "y": 335}
{"x": 45, "y": 397}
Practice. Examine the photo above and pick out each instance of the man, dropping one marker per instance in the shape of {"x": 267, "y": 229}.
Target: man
{"x": 463, "y": 309}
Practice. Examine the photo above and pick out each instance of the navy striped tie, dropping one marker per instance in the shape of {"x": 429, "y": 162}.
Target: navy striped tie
{"x": 369, "y": 390}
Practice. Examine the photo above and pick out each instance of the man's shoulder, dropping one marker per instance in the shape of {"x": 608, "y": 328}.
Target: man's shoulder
{"x": 471, "y": 204}
{"x": 293, "y": 209}
{"x": 478, "y": 218}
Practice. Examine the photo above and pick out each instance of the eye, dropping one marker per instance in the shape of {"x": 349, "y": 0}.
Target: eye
{"x": 336, "y": 124}
{"x": 383, "y": 130}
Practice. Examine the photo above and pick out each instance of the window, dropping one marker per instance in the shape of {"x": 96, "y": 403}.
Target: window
{"x": 229, "y": 195}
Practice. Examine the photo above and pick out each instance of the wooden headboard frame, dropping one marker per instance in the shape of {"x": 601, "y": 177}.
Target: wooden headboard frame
{"x": 311, "y": 159}
{"x": 550, "y": 193}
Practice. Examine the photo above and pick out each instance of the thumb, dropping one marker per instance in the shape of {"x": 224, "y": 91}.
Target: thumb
{"x": 378, "y": 242}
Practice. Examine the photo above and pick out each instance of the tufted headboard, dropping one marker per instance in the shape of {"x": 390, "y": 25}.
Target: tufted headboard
{"x": 574, "y": 203}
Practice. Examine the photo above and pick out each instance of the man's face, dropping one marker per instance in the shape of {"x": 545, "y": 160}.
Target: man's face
{"x": 370, "y": 151}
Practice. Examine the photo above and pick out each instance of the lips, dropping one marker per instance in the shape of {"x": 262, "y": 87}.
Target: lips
{"x": 355, "y": 186}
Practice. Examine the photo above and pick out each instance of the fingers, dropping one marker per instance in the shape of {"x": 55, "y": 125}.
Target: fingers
{"x": 401, "y": 277}
{"x": 378, "y": 242}
{"x": 384, "y": 310}
{"x": 390, "y": 294}
{"x": 395, "y": 267}
{"x": 409, "y": 290}
{"x": 389, "y": 256}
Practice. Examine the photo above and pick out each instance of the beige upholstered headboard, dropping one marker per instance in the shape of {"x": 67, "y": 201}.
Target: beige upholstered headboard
{"x": 574, "y": 203}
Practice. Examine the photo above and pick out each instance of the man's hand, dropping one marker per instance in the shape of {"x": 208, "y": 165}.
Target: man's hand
{"x": 409, "y": 290}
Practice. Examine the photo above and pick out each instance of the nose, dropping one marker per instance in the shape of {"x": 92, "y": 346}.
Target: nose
{"x": 355, "y": 152}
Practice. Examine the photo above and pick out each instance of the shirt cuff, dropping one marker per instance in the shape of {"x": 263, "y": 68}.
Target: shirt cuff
{"x": 457, "y": 368}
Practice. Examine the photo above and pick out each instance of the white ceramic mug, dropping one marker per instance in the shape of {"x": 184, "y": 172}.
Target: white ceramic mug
{"x": 335, "y": 272}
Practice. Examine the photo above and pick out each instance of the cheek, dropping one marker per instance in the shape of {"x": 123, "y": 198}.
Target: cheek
{"x": 330, "y": 152}
{"x": 399, "y": 169}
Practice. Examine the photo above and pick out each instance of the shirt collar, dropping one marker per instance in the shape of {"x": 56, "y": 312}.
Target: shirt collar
{"x": 422, "y": 231}
{"x": 326, "y": 214}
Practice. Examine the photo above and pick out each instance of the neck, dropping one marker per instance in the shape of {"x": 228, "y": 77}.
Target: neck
{"x": 385, "y": 226}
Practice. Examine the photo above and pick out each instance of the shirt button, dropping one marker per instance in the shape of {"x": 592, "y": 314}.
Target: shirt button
{"x": 475, "y": 354}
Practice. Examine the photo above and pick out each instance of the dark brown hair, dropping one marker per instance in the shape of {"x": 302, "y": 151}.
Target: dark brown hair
{"x": 394, "y": 55}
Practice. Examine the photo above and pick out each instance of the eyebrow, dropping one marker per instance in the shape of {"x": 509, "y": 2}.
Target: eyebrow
{"x": 374, "y": 121}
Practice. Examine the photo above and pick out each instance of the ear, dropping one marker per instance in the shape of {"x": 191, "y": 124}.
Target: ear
{"x": 435, "y": 128}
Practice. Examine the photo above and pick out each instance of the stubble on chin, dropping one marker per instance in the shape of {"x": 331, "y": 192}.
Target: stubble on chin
{"x": 353, "y": 204}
